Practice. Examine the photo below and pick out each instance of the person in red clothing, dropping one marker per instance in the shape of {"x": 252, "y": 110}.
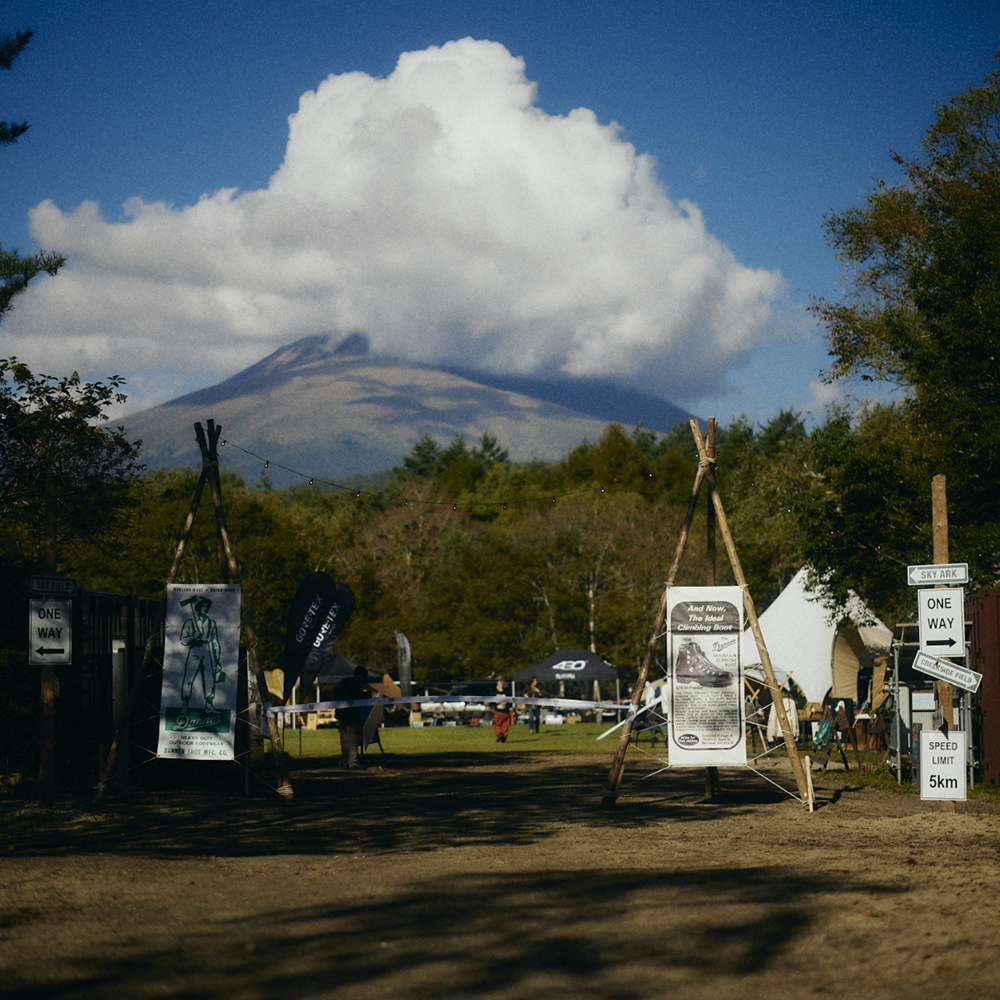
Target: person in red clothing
{"x": 503, "y": 715}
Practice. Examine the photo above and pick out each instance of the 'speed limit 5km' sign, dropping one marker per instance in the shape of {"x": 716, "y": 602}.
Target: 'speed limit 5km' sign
{"x": 941, "y": 616}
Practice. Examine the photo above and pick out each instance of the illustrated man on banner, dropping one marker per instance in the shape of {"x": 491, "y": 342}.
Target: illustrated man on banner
{"x": 203, "y": 663}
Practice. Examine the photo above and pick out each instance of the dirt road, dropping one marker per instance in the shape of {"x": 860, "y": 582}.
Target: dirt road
{"x": 501, "y": 877}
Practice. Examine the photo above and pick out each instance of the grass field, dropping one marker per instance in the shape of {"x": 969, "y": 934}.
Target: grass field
{"x": 565, "y": 739}
{"x": 579, "y": 738}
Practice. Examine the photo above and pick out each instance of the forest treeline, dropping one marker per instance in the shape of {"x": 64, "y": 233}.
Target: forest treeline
{"x": 485, "y": 564}
{"x": 488, "y": 565}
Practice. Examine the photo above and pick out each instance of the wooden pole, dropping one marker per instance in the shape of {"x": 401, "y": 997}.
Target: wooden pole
{"x": 610, "y": 792}
{"x": 47, "y": 704}
{"x": 734, "y": 560}
{"x": 136, "y": 682}
{"x": 188, "y": 524}
{"x": 939, "y": 521}
{"x": 210, "y": 458}
{"x": 711, "y": 773}
{"x": 939, "y": 513}
{"x": 710, "y": 516}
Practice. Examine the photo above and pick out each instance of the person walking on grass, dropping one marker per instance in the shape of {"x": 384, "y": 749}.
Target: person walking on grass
{"x": 534, "y": 711}
{"x": 503, "y": 714}
{"x": 351, "y": 721}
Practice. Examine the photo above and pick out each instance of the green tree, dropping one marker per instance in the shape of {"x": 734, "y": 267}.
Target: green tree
{"x": 863, "y": 509}
{"x": 16, "y": 271}
{"x": 922, "y": 311}
{"x": 59, "y": 465}
{"x": 763, "y": 475}
{"x": 489, "y": 452}
{"x": 270, "y": 549}
{"x": 423, "y": 461}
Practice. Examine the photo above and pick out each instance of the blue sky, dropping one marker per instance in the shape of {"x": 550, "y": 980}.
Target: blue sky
{"x": 455, "y": 205}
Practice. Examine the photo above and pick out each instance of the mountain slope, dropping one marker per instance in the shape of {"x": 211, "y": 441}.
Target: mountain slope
{"x": 333, "y": 410}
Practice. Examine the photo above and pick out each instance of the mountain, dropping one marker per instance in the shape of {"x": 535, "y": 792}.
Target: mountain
{"x": 332, "y": 410}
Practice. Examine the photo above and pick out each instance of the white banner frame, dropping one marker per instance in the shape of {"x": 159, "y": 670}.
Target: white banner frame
{"x": 200, "y": 672}
{"x": 706, "y": 719}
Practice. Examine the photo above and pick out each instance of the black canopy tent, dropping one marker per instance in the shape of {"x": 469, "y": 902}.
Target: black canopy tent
{"x": 569, "y": 665}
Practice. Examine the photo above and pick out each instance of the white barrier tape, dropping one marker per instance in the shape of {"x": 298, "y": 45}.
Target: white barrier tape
{"x": 445, "y": 699}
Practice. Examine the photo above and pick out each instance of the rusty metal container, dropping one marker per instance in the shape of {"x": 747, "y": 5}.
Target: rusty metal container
{"x": 983, "y": 609}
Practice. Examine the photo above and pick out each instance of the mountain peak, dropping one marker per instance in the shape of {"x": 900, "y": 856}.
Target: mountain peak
{"x": 327, "y": 406}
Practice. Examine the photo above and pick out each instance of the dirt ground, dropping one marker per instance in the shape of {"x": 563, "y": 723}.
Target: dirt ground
{"x": 501, "y": 876}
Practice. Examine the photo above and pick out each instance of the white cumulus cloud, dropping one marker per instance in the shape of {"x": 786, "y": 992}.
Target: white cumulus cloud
{"x": 441, "y": 212}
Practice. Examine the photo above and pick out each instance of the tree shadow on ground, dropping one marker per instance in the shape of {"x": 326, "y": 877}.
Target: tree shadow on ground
{"x": 406, "y": 803}
{"x": 582, "y": 933}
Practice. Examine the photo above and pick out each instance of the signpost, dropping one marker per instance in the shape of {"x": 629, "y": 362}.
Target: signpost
{"x": 953, "y": 673}
{"x": 931, "y": 576}
{"x": 942, "y": 765}
{"x": 941, "y": 616}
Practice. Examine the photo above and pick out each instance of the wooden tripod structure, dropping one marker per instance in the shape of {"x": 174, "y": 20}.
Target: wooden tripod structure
{"x": 706, "y": 473}
{"x": 230, "y": 572}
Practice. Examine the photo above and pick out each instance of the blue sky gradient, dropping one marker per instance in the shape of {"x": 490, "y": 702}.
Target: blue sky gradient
{"x": 765, "y": 115}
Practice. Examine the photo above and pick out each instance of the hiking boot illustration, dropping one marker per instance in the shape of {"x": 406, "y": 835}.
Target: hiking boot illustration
{"x": 692, "y": 666}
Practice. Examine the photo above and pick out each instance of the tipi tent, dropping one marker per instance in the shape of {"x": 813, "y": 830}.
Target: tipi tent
{"x": 803, "y": 642}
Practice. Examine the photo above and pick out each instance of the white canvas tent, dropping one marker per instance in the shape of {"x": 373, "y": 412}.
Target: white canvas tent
{"x": 802, "y": 641}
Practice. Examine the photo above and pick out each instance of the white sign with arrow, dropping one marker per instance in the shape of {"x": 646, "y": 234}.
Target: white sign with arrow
{"x": 943, "y": 670}
{"x": 50, "y": 632}
{"x": 930, "y": 576}
{"x": 941, "y": 616}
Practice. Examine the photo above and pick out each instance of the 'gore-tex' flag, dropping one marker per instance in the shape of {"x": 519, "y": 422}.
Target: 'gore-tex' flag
{"x": 317, "y": 617}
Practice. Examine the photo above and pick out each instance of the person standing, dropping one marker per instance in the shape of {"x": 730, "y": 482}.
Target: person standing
{"x": 534, "y": 711}
{"x": 351, "y": 721}
{"x": 503, "y": 714}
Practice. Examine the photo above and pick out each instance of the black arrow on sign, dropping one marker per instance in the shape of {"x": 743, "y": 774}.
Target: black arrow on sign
{"x": 42, "y": 651}
{"x": 940, "y": 642}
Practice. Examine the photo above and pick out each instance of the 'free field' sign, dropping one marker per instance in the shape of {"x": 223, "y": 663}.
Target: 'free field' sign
{"x": 941, "y": 616}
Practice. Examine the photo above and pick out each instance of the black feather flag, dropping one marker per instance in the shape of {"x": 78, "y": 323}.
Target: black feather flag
{"x": 317, "y": 617}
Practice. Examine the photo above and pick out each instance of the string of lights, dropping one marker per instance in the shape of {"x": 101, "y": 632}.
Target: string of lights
{"x": 407, "y": 501}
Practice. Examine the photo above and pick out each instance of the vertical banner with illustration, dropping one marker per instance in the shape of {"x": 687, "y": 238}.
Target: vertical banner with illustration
{"x": 706, "y": 724}
{"x": 200, "y": 670}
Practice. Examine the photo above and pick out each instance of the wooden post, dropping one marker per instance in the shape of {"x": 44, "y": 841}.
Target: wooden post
{"x": 610, "y": 792}
{"x": 229, "y": 567}
{"x": 188, "y": 524}
{"x": 939, "y": 513}
{"x": 210, "y": 459}
{"x": 47, "y": 704}
{"x": 710, "y": 517}
{"x": 765, "y": 657}
{"x": 939, "y": 521}
{"x": 136, "y": 681}
{"x": 711, "y": 773}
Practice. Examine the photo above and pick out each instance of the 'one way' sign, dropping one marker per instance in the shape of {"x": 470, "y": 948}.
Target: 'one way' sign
{"x": 942, "y": 621}
{"x": 50, "y": 632}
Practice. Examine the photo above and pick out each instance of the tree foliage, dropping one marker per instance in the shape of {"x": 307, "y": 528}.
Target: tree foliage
{"x": 922, "y": 312}
{"x": 484, "y": 574}
{"x": 16, "y": 271}
{"x": 53, "y": 442}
